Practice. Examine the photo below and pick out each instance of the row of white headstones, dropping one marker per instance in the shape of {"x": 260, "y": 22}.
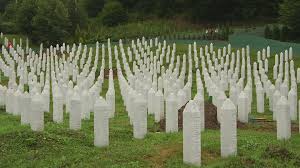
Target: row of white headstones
{"x": 216, "y": 78}
{"x": 148, "y": 87}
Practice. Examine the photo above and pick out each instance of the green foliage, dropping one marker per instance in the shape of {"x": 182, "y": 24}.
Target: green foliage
{"x": 290, "y": 16}
{"x": 43, "y": 21}
{"x": 8, "y": 27}
{"x": 3, "y": 4}
{"x": 276, "y": 32}
{"x": 113, "y": 14}
{"x": 151, "y": 29}
{"x": 92, "y": 7}
{"x": 77, "y": 15}
{"x": 268, "y": 32}
{"x": 284, "y": 33}
{"x": 26, "y": 11}
{"x": 51, "y": 22}
{"x": 10, "y": 11}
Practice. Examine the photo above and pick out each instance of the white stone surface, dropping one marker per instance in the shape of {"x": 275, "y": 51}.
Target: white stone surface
{"x": 140, "y": 117}
{"x": 158, "y": 106}
{"x": 228, "y": 129}
{"x": 75, "y": 112}
{"x": 292, "y": 101}
{"x": 171, "y": 114}
{"x": 101, "y": 123}
{"x": 26, "y": 108}
{"x": 37, "y": 113}
{"x": 58, "y": 106}
{"x": 243, "y": 107}
{"x": 283, "y": 119}
{"x": 260, "y": 99}
{"x": 192, "y": 135}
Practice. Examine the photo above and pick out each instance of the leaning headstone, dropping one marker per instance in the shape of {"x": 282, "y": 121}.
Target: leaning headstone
{"x": 101, "y": 123}
{"x": 228, "y": 129}
{"x": 283, "y": 119}
{"x": 192, "y": 135}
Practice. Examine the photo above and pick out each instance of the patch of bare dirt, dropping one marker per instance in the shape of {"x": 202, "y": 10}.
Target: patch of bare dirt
{"x": 106, "y": 73}
{"x": 211, "y": 121}
{"x": 268, "y": 126}
{"x": 278, "y": 152}
{"x": 164, "y": 153}
{"x": 209, "y": 156}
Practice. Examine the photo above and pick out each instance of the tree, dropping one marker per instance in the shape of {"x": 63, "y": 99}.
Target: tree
{"x": 290, "y": 15}
{"x": 50, "y": 24}
{"x": 268, "y": 32}
{"x": 284, "y": 33}
{"x": 113, "y": 14}
{"x": 3, "y": 4}
{"x": 77, "y": 15}
{"x": 93, "y": 7}
{"x": 276, "y": 32}
{"x": 10, "y": 11}
{"x": 24, "y": 16}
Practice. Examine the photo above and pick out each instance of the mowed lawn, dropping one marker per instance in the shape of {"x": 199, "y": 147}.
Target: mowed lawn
{"x": 58, "y": 146}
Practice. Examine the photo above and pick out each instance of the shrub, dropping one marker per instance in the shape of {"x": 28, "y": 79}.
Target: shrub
{"x": 290, "y": 16}
{"x": 268, "y": 32}
{"x": 24, "y": 15}
{"x": 284, "y": 34}
{"x": 51, "y": 22}
{"x": 276, "y": 33}
{"x": 8, "y": 27}
{"x": 113, "y": 14}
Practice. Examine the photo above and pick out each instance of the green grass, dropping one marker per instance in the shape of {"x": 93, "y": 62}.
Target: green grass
{"x": 58, "y": 146}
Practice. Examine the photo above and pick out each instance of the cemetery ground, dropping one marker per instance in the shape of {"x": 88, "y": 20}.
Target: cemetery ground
{"x": 58, "y": 146}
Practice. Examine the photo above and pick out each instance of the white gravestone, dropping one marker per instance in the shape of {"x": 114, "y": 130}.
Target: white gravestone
{"x": 101, "y": 123}
{"x": 140, "y": 117}
{"x": 228, "y": 129}
{"x": 283, "y": 119}
{"x": 192, "y": 135}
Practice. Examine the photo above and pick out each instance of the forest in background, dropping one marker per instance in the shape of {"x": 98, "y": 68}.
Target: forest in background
{"x": 71, "y": 20}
